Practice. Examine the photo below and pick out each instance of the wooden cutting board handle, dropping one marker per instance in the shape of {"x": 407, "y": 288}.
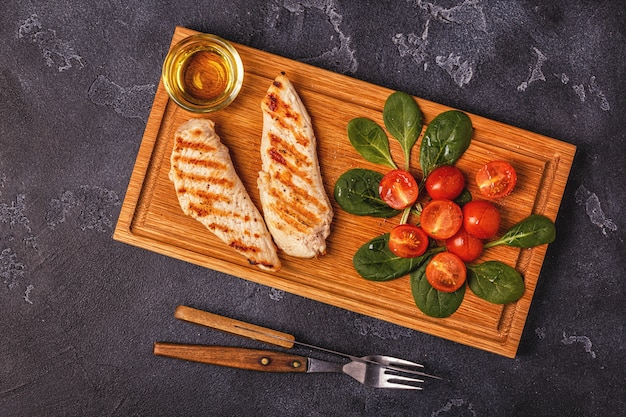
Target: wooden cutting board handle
{"x": 234, "y": 357}
{"x": 233, "y": 326}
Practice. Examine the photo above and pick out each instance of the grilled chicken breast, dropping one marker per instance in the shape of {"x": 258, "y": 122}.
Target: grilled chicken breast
{"x": 296, "y": 208}
{"x": 209, "y": 190}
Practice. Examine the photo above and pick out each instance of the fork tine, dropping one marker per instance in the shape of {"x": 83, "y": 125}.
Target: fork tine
{"x": 401, "y": 362}
{"x": 402, "y": 378}
{"x": 393, "y": 377}
{"x": 391, "y": 361}
{"x": 400, "y": 382}
{"x": 401, "y": 386}
{"x": 394, "y": 364}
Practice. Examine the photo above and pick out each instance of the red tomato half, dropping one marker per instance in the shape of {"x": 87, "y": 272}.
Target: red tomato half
{"x": 441, "y": 219}
{"x": 481, "y": 219}
{"x": 465, "y": 246}
{"x": 398, "y": 189}
{"x": 496, "y": 179}
{"x": 408, "y": 241}
{"x": 446, "y": 272}
{"x": 445, "y": 182}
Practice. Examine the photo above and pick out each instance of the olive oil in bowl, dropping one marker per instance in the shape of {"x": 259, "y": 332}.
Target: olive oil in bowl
{"x": 203, "y": 73}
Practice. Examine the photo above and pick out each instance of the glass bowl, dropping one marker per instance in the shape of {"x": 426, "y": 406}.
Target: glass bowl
{"x": 203, "y": 73}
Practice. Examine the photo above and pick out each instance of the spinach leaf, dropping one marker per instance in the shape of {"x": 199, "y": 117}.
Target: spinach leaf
{"x": 533, "y": 231}
{"x": 370, "y": 140}
{"x": 403, "y": 119}
{"x": 495, "y": 281}
{"x": 356, "y": 191}
{"x": 445, "y": 140}
{"x": 375, "y": 262}
{"x": 431, "y": 302}
{"x": 463, "y": 198}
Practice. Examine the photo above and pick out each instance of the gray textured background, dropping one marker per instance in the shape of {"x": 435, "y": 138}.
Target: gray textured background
{"x": 79, "y": 311}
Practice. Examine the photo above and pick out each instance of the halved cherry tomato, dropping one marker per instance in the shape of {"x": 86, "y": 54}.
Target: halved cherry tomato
{"x": 445, "y": 182}
{"x": 408, "y": 241}
{"x": 481, "y": 219}
{"x": 446, "y": 272}
{"x": 465, "y": 246}
{"x": 398, "y": 189}
{"x": 441, "y": 219}
{"x": 496, "y": 179}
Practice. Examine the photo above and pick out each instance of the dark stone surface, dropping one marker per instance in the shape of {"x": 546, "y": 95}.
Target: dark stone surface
{"x": 80, "y": 311}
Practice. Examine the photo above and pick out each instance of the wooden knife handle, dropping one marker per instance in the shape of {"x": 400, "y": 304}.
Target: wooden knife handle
{"x": 237, "y": 327}
{"x": 234, "y": 357}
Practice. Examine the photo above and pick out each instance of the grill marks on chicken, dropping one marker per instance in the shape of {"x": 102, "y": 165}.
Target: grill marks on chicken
{"x": 209, "y": 190}
{"x": 296, "y": 208}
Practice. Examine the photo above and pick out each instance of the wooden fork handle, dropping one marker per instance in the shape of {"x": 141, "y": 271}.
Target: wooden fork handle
{"x": 234, "y": 357}
{"x": 237, "y": 327}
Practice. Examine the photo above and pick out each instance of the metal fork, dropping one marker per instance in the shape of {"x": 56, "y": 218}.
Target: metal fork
{"x": 369, "y": 370}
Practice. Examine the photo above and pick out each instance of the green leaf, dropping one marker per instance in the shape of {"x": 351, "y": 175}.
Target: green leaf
{"x": 533, "y": 231}
{"x": 463, "y": 198}
{"x": 370, "y": 140}
{"x": 431, "y": 302}
{"x": 496, "y": 282}
{"x": 446, "y": 138}
{"x": 356, "y": 191}
{"x": 375, "y": 262}
{"x": 403, "y": 119}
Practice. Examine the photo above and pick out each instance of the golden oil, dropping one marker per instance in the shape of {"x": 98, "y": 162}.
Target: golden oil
{"x": 203, "y": 73}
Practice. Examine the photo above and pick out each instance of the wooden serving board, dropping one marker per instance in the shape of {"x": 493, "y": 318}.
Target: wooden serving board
{"x": 152, "y": 219}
